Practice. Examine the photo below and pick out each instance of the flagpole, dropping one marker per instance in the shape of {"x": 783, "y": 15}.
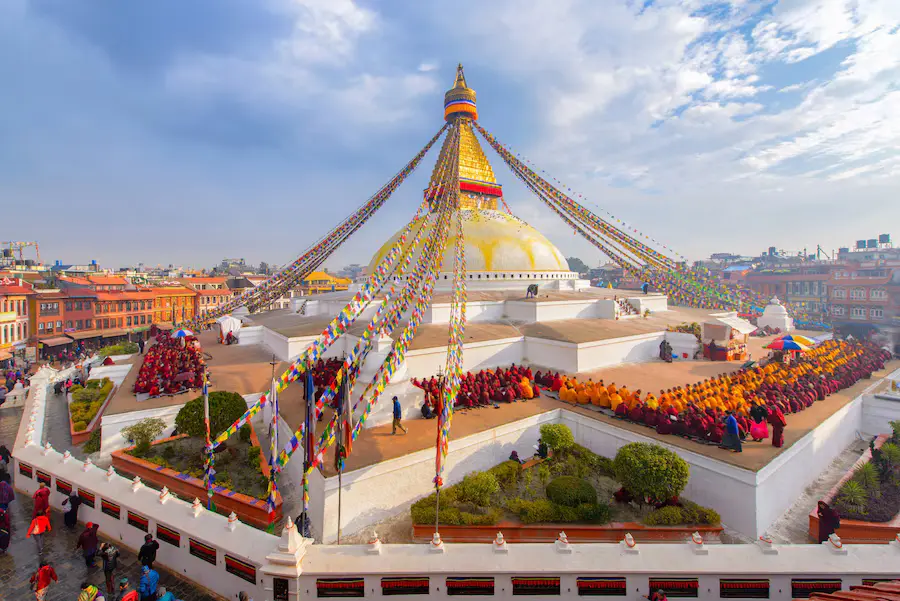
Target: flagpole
{"x": 273, "y": 439}
{"x": 337, "y": 453}
{"x": 209, "y": 493}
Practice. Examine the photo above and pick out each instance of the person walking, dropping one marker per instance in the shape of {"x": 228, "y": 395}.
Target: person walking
{"x": 70, "y": 517}
{"x": 164, "y": 595}
{"x": 88, "y": 542}
{"x": 732, "y": 438}
{"x": 7, "y": 494}
{"x": 148, "y": 584}
{"x": 126, "y": 591}
{"x": 4, "y": 530}
{"x": 39, "y": 526}
{"x": 147, "y": 553}
{"x": 109, "y": 554}
{"x": 398, "y": 413}
{"x": 41, "y": 579}
{"x": 41, "y": 499}
{"x": 829, "y": 520}
{"x": 243, "y": 596}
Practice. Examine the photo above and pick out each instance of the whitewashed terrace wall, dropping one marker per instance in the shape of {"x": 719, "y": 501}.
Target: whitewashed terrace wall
{"x": 478, "y": 355}
{"x": 250, "y": 334}
{"x": 683, "y": 344}
{"x": 380, "y": 491}
{"x": 551, "y": 354}
{"x": 654, "y": 302}
{"x": 878, "y": 412}
{"x": 629, "y": 349}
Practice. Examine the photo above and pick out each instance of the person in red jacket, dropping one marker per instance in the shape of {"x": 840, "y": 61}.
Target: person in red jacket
{"x": 39, "y": 525}
{"x": 40, "y": 580}
{"x": 41, "y": 500}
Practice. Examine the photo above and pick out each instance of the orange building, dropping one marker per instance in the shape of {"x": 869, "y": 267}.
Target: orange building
{"x": 211, "y": 292}
{"x": 14, "y": 327}
{"x": 173, "y": 304}
{"x": 118, "y": 313}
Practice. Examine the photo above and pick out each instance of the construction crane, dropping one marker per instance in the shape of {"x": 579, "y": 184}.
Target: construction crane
{"x": 19, "y": 247}
{"x": 821, "y": 251}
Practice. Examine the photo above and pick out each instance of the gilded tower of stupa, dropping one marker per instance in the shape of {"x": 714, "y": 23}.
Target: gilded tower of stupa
{"x": 501, "y": 249}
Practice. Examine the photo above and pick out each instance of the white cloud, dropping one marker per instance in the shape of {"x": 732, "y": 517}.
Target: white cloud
{"x": 427, "y": 67}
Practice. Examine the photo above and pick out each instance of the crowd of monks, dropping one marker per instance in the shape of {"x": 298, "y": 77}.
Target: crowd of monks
{"x": 486, "y": 387}
{"x": 756, "y": 395}
{"x": 171, "y": 366}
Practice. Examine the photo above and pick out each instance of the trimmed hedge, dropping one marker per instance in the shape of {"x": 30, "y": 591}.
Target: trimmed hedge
{"x": 651, "y": 472}
{"x": 225, "y": 408}
{"x": 571, "y": 491}
{"x": 687, "y": 513}
{"x": 507, "y": 473}
{"x": 477, "y": 488}
{"x": 123, "y": 348}
{"x": 558, "y": 437}
{"x": 545, "y": 511}
{"x": 422, "y": 511}
{"x": 86, "y": 402}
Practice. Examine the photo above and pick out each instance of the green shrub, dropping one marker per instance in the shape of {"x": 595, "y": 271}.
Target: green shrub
{"x": 895, "y": 431}
{"x": 79, "y": 426}
{"x": 853, "y": 497}
{"x": 534, "y": 512}
{"x": 890, "y": 454}
{"x": 543, "y": 472}
{"x": 143, "y": 433}
{"x": 670, "y": 515}
{"x": 507, "y": 473}
{"x": 251, "y": 459}
{"x": 697, "y": 514}
{"x": 571, "y": 491}
{"x": 169, "y": 452}
{"x": 93, "y": 443}
{"x": 422, "y": 512}
{"x": 225, "y": 408}
{"x": 867, "y": 477}
{"x": 649, "y": 471}
{"x": 477, "y": 488}
{"x": 123, "y": 348}
{"x": 557, "y": 437}
{"x": 594, "y": 513}
{"x": 243, "y": 433}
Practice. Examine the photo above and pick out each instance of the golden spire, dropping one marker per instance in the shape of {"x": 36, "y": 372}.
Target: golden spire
{"x": 459, "y": 101}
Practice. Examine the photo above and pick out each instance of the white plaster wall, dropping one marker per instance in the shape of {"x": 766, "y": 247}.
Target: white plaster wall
{"x": 521, "y": 311}
{"x": 550, "y": 354}
{"x": 250, "y": 334}
{"x": 878, "y": 413}
{"x": 654, "y": 302}
{"x": 479, "y": 355}
{"x": 557, "y": 310}
{"x": 374, "y": 493}
{"x": 631, "y": 349}
{"x": 683, "y": 344}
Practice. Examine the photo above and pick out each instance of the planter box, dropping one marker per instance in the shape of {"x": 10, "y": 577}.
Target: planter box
{"x": 248, "y": 509}
{"x": 858, "y": 531}
{"x": 83, "y": 436}
{"x": 581, "y": 533}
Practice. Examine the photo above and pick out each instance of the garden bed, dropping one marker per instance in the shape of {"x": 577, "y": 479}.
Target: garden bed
{"x": 177, "y": 463}
{"x": 882, "y": 506}
{"x": 87, "y": 407}
{"x": 573, "y": 490}
{"x": 123, "y": 348}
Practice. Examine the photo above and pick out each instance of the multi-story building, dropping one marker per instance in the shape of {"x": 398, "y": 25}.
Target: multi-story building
{"x": 211, "y": 292}
{"x": 47, "y": 317}
{"x": 78, "y": 313}
{"x": 107, "y": 283}
{"x": 804, "y": 285}
{"x": 123, "y": 312}
{"x": 14, "y": 327}
{"x": 173, "y": 304}
{"x": 861, "y": 296}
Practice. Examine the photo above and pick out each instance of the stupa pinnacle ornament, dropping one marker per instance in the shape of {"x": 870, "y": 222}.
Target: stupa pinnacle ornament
{"x": 460, "y": 99}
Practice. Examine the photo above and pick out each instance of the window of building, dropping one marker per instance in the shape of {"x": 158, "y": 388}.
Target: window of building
{"x": 858, "y": 312}
{"x": 49, "y": 327}
{"x": 87, "y": 323}
{"x": 78, "y": 305}
{"x": 68, "y": 305}
{"x": 79, "y": 324}
{"x": 840, "y": 293}
{"x": 128, "y": 305}
{"x": 128, "y": 321}
{"x": 838, "y": 310}
{"x": 878, "y": 294}
{"x": 877, "y": 313}
{"x": 106, "y": 323}
{"x": 120, "y": 322}
{"x": 41, "y": 329}
{"x": 858, "y": 294}
{"x": 69, "y": 324}
{"x": 59, "y": 323}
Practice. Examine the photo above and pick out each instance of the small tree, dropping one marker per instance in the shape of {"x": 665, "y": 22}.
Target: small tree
{"x": 225, "y": 408}
{"x": 143, "y": 433}
{"x": 651, "y": 472}
{"x": 558, "y": 437}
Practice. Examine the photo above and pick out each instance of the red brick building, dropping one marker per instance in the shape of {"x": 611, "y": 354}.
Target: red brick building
{"x": 14, "y": 311}
{"x": 123, "y": 312}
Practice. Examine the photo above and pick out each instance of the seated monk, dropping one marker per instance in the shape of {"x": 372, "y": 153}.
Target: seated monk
{"x": 611, "y": 389}
{"x": 636, "y": 413}
{"x": 653, "y": 417}
{"x": 602, "y": 395}
{"x": 714, "y": 432}
{"x": 621, "y": 409}
{"x": 581, "y": 396}
{"x": 615, "y": 401}
{"x": 557, "y": 383}
{"x": 525, "y": 387}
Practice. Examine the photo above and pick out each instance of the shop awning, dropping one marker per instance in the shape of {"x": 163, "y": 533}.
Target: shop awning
{"x": 5, "y": 355}
{"x": 113, "y": 332}
{"x": 56, "y": 341}
{"x": 736, "y": 323}
{"x": 165, "y": 326}
{"x": 83, "y": 334}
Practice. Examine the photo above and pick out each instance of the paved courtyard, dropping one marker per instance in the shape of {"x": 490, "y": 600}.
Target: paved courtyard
{"x": 21, "y": 560}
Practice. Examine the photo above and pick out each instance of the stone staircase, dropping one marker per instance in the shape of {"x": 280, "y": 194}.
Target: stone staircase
{"x": 625, "y": 309}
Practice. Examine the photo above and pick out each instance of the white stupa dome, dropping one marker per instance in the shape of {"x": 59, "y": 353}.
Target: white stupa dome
{"x": 495, "y": 242}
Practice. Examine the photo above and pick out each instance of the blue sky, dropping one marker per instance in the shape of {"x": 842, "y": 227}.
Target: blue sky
{"x": 183, "y": 132}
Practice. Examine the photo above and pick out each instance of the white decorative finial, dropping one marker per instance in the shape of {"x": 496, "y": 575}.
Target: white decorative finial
{"x": 697, "y": 545}
{"x": 66, "y": 456}
{"x": 500, "y": 545}
{"x": 136, "y": 484}
{"x": 437, "y": 545}
{"x": 562, "y": 543}
{"x": 88, "y": 464}
{"x": 374, "y": 546}
{"x": 29, "y": 439}
{"x": 836, "y": 545}
{"x": 767, "y": 545}
{"x": 110, "y": 474}
{"x": 232, "y": 521}
{"x": 629, "y": 545}
{"x": 164, "y": 495}
{"x": 30, "y": 429}
{"x": 196, "y": 507}
{"x": 47, "y": 448}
